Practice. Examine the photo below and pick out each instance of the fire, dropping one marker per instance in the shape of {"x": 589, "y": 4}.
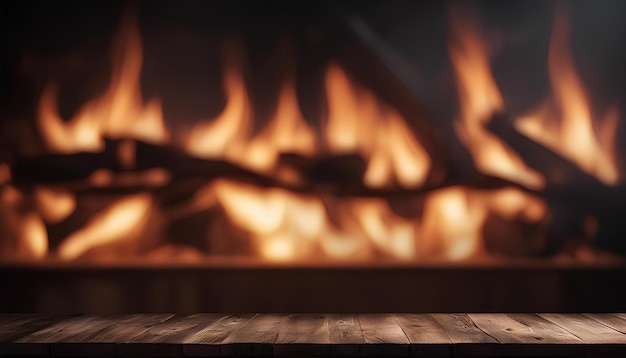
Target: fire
{"x": 285, "y": 226}
{"x": 454, "y": 218}
{"x": 574, "y": 136}
{"x": 53, "y": 204}
{"x": 23, "y": 234}
{"x": 121, "y": 221}
{"x": 359, "y": 122}
{"x": 278, "y": 224}
{"x": 282, "y": 224}
{"x": 118, "y": 113}
{"x": 229, "y": 135}
{"x": 480, "y": 99}
{"x": 226, "y": 135}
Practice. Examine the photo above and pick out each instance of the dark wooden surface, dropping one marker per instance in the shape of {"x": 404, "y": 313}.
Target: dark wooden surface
{"x": 417, "y": 335}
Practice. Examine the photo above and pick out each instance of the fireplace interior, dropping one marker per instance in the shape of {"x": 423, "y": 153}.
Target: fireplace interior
{"x": 365, "y": 156}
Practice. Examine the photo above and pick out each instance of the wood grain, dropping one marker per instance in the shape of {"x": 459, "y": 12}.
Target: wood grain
{"x": 614, "y": 321}
{"x": 468, "y": 340}
{"x": 255, "y": 338}
{"x": 346, "y": 335}
{"x": 15, "y": 326}
{"x": 66, "y": 330}
{"x": 518, "y": 338}
{"x": 304, "y": 335}
{"x": 207, "y": 341}
{"x": 166, "y": 339}
{"x": 585, "y": 328}
{"x": 383, "y": 336}
{"x": 427, "y": 337}
{"x": 601, "y": 339}
{"x": 103, "y": 338}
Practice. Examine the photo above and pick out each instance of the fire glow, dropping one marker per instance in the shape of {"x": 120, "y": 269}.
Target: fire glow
{"x": 277, "y": 223}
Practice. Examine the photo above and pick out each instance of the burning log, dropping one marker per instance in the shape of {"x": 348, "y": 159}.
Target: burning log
{"x": 567, "y": 184}
{"x": 370, "y": 61}
{"x": 339, "y": 175}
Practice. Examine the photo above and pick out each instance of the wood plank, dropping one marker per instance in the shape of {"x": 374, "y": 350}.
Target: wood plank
{"x": 468, "y": 340}
{"x": 519, "y": 339}
{"x": 16, "y": 326}
{"x": 345, "y": 332}
{"x": 587, "y": 329}
{"x": 304, "y": 335}
{"x": 614, "y": 321}
{"x": 65, "y": 330}
{"x": 94, "y": 342}
{"x": 206, "y": 342}
{"x": 255, "y": 338}
{"x": 427, "y": 337}
{"x": 166, "y": 338}
{"x": 383, "y": 336}
{"x": 547, "y": 328}
{"x": 600, "y": 339}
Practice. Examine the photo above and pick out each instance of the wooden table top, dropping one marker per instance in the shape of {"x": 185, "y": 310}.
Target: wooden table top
{"x": 211, "y": 334}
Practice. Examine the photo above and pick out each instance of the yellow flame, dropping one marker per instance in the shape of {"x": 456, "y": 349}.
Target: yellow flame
{"x": 118, "y": 113}
{"x": 573, "y": 136}
{"x": 480, "y": 99}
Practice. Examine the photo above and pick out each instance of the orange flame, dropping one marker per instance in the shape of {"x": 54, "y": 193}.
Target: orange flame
{"x": 480, "y": 99}
{"x": 286, "y": 132}
{"x": 359, "y": 122}
{"x": 573, "y": 136}
{"x": 121, "y": 221}
{"x": 5, "y": 173}
{"x": 454, "y": 218}
{"x": 119, "y": 113}
{"x": 54, "y": 205}
{"x": 23, "y": 234}
{"x": 284, "y": 225}
{"x": 225, "y": 136}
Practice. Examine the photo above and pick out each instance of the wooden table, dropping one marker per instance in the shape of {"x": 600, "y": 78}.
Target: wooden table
{"x": 210, "y": 334}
